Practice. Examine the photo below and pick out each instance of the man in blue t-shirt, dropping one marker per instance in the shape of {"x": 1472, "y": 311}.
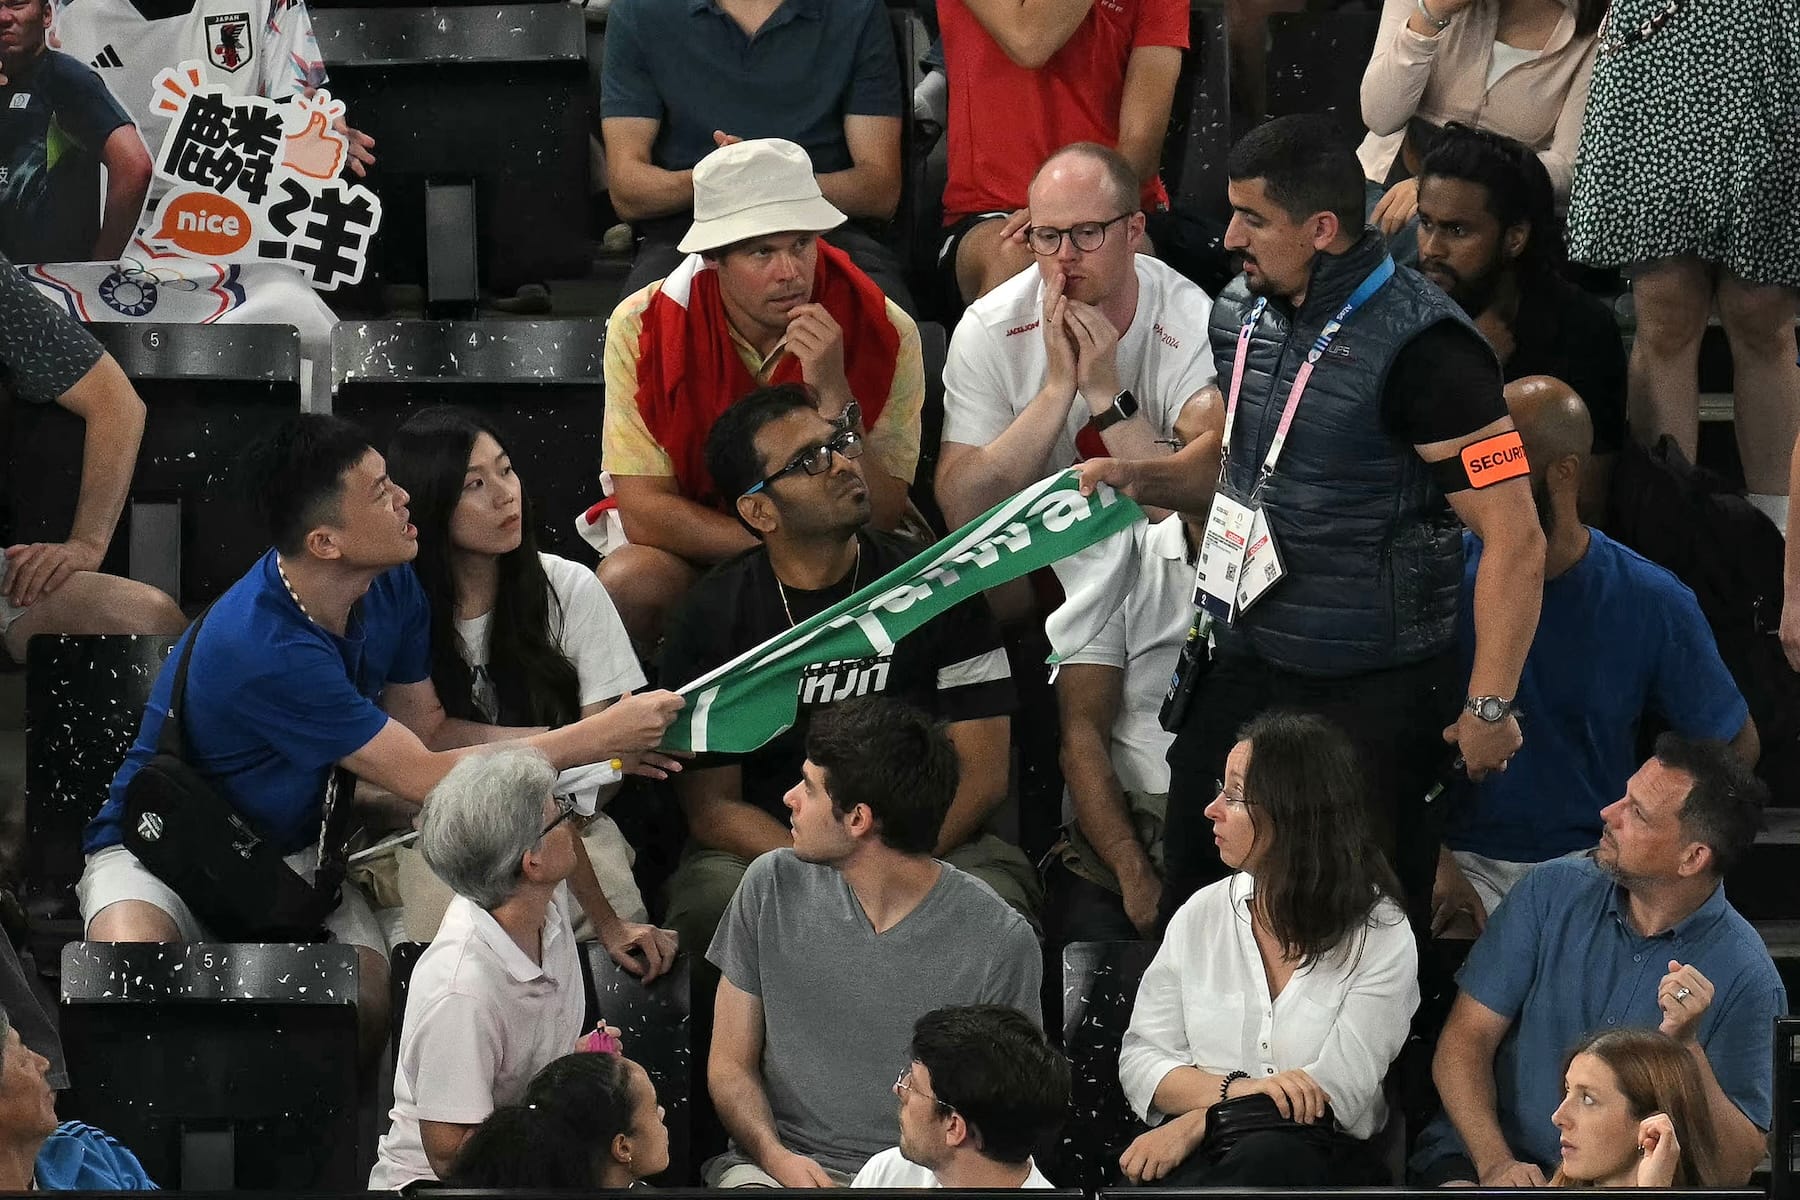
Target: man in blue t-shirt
{"x": 1618, "y": 638}
{"x": 1638, "y": 936}
{"x": 319, "y": 657}
{"x": 36, "y": 1152}
{"x": 58, "y": 126}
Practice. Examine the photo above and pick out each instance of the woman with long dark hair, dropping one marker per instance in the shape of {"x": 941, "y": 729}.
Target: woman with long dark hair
{"x": 521, "y": 638}
{"x": 1282, "y": 993}
{"x": 1634, "y": 1114}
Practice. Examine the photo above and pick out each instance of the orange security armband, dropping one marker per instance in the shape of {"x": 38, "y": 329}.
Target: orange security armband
{"x": 1482, "y": 464}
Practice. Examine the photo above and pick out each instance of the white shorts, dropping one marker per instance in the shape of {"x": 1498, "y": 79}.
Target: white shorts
{"x": 1492, "y": 878}
{"x": 115, "y": 874}
{"x": 9, "y": 612}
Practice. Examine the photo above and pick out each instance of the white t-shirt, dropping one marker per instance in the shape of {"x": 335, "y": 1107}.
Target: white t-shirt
{"x": 248, "y": 47}
{"x": 481, "y": 1020}
{"x": 891, "y": 1169}
{"x": 1204, "y": 1002}
{"x": 997, "y": 358}
{"x": 589, "y": 634}
{"x": 1143, "y": 637}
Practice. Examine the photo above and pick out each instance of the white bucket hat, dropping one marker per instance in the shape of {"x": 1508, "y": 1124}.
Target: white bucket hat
{"x": 752, "y": 189}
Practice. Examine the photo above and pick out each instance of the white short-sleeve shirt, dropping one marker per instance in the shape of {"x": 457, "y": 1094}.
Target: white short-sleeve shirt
{"x": 997, "y": 359}
{"x": 892, "y": 1169}
{"x": 1143, "y": 638}
{"x": 481, "y": 1020}
{"x": 589, "y": 633}
{"x": 1204, "y": 1002}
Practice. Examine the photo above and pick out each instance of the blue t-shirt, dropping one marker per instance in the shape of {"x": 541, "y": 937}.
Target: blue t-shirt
{"x": 1560, "y": 960}
{"x": 274, "y": 700}
{"x": 688, "y": 64}
{"x": 80, "y": 1158}
{"x": 1618, "y": 636}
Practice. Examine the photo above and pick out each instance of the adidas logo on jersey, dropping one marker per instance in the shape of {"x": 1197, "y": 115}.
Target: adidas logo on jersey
{"x": 107, "y": 58}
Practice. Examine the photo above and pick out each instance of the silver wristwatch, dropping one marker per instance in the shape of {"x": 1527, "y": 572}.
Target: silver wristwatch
{"x": 1490, "y": 708}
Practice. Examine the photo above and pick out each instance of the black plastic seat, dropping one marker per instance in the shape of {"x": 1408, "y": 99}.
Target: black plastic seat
{"x": 222, "y": 1066}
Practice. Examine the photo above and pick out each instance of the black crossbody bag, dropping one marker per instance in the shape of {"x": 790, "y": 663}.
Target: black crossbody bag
{"x": 189, "y": 836}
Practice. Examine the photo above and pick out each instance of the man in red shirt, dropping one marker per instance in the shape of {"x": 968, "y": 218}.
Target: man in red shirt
{"x": 1028, "y": 77}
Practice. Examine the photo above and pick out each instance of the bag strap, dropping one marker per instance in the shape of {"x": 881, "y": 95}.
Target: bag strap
{"x": 170, "y": 741}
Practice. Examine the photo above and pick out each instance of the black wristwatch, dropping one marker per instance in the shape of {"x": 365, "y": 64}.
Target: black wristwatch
{"x": 1491, "y": 709}
{"x": 1124, "y": 407}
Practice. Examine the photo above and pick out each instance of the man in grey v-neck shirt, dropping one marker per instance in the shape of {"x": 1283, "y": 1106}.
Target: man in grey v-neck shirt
{"x": 831, "y": 951}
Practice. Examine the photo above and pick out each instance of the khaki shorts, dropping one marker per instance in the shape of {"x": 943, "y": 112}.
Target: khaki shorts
{"x": 115, "y": 874}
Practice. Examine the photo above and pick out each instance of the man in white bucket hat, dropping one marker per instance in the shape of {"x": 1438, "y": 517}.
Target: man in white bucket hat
{"x": 761, "y": 298}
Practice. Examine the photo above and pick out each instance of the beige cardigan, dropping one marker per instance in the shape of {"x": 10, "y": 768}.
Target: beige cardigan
{"x": 1444, "y": 78}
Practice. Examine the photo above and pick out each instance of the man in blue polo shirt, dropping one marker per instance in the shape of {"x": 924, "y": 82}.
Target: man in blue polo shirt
{"x": 318, "y": 657}
{"x": 684, "y": 77}
{"x": 1618, "y": 637}
{"x": 1638, "y": 936}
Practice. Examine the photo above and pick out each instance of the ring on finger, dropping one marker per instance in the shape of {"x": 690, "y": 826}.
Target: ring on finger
{"x": 1682, "y": 993}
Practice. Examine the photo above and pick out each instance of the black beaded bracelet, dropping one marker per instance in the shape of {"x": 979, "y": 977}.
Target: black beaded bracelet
{"x": 1225, "y": 1087}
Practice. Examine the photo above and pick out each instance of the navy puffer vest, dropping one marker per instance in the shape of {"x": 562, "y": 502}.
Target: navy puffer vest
{"x": 1372, "y": 551}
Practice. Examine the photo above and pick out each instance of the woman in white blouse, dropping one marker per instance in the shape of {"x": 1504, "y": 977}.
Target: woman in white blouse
{"x": 1296, "y": 977}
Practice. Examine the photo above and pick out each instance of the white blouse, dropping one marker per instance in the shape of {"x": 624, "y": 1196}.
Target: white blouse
{"x": 1204, "y": 1002}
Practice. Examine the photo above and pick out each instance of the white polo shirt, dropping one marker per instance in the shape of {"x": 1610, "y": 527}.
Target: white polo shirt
{"x": 892, "y": 1169}
{"x": 481, "y": 1020}
{"x": 1143, "y": 638}
{"x": 997, "y": 358}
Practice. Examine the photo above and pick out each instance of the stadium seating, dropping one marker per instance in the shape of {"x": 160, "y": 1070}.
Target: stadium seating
{"x": 221, "y": 1066}
{"x": 209, "y": 390}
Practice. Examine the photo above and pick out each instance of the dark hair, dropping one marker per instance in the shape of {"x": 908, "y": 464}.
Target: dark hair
{"x": 891, "y": 757}
{"x": 589, "y": 1093}
{"x": 1724, "y": 808}
{"x": 993, "y": 1065}
{"x": 1517, "y": 187}
{"x": 1119, "y": 172}
{"x": 1321, "y": 873}
{"x": 294, "y": 477}
{"x": 731, "y": 456}
{"x": 534, "y": 681}
{"x": 1588, "y": 15}
{"x": 1657, "y": 1074}
{"x": 519, "y": 1146}
{"x": 1304, "y": 166}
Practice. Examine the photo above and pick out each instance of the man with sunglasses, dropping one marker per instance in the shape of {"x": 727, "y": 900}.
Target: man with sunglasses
{"x": 799, "y": 485}
{"x": 498, "y": 994}
{"x": 1093, "y": 351}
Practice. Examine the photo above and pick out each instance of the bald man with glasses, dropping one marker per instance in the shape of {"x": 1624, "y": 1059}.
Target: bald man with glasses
{"x": 1094, "y": 350}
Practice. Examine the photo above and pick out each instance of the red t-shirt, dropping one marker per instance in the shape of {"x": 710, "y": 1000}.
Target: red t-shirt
{"x": 1006, "y": 120}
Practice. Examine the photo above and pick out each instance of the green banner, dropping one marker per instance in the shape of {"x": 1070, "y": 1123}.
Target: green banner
{"x": 741, "y": 705}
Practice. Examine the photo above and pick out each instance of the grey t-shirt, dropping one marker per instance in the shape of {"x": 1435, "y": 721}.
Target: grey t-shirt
{"x": 839, "y": 1001}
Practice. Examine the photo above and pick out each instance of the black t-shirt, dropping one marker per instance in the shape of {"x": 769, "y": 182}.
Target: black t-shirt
{"x": 1564, "y": 332}
{"x": 43, "y": 352}
{"x": 954, "y": 666}
{"x": 1443, "y": 385}
{"x": 55, "y": 117}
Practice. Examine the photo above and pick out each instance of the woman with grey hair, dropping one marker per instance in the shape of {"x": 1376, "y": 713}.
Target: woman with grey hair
{"x": 498, "y": 994}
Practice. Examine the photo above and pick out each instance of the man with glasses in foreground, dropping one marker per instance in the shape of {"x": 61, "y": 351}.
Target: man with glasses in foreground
{"x": 1092, "y": 352}
{"x": 984, "y": 1086}
{"x": 498, "y": 993}
{"x": 799, "y": 486}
